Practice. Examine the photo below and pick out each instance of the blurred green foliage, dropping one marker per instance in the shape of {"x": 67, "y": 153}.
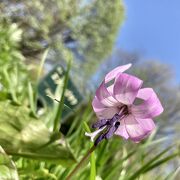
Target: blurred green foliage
{"x": 12, "y": 68}
{"x": 86, "y": 28}
{"x": 10, "y": 36}
{"x": 7, "y": 167}
{"x": 31, "y": 137}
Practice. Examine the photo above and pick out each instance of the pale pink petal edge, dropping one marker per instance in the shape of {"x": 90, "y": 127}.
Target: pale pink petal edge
{"x": 112, "y": 74}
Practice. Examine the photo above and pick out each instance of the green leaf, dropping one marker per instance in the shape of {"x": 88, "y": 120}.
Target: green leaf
{"x": 61, "y": 104}
{"x": 7, "y": 167}
{"x": 116, "y": 167}
{"x": 24, "y": 136}
{"x": 162, "y": 161}
{"x": 148, "y": 164}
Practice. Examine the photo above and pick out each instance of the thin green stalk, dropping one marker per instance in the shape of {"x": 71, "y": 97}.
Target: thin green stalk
{"x": 93, "y": 167}
{"x": 92, "y": 158}
{"x": 81, "y": 163}
{"x": 61, "y": 104}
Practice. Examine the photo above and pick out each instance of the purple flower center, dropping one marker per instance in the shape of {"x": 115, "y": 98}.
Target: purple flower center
{"x": 109, "y": 126}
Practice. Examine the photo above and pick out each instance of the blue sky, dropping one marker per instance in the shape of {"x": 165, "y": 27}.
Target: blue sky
{"x": 152, "y": 28}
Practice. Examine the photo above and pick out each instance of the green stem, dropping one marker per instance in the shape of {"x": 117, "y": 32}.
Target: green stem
{"x": 78, "y": 166}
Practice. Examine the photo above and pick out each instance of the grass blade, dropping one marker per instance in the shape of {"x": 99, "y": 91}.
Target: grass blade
{"x": 162, "y": 161}
{"x": 61, "y": 104}
{"x": 116, "y": 167}
{"x": 146, "y": 165}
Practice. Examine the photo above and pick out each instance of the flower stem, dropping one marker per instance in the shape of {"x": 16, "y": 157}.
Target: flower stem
{"x": 81, "y": 162}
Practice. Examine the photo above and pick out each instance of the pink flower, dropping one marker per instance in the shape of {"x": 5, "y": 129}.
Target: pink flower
{"x": 114, "y": 106}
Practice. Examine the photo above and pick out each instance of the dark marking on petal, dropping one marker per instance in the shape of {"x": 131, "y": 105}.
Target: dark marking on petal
{"x": 117, "y": 124}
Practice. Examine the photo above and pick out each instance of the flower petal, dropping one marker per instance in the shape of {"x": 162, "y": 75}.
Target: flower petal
{"x": 121, "y": 131}
{"x": 107, "y": 113}
{"x": 110, "y": 89}
{"x": 97, "y": 105}
{"x": 135, "y": 130}
{"x": 126, "y": 88}
{"x": 105, "y": 97}
{"x": 151, "y": 106}
{"x": 112, "y": 74}
{"x": 147, "y": 124}
{"x": 102, "y": 111}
